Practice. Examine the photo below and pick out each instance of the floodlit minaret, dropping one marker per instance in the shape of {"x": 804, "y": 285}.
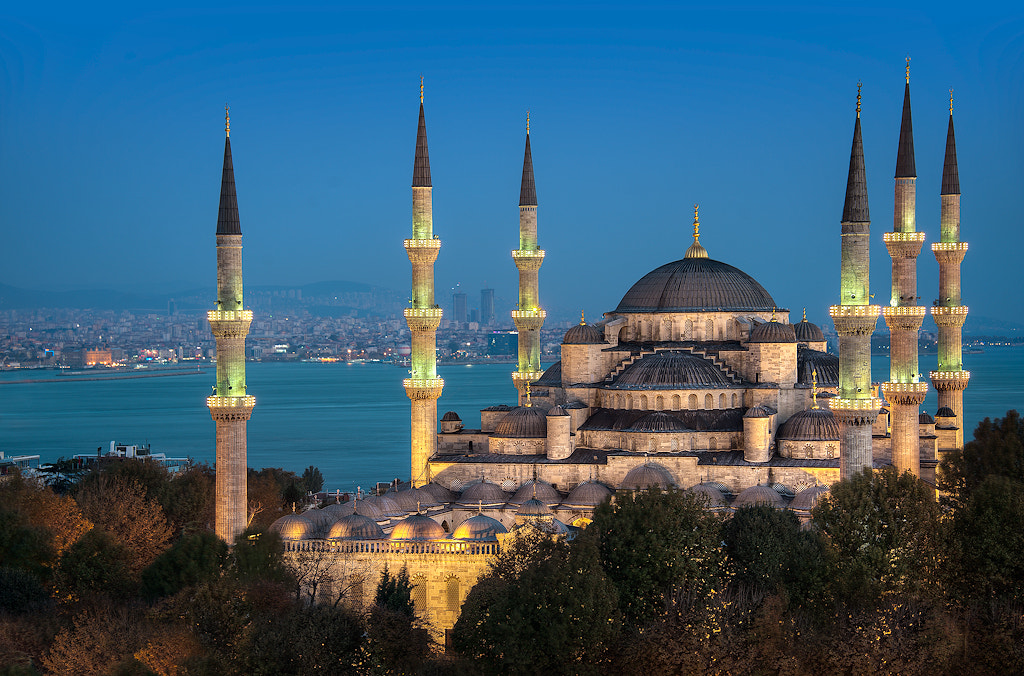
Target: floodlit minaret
{"x": 230, "y": 406}
{"x": 950, "y": 379}
{"x": 528, "y": 316}
{"x": 905, "y": 391}
{"x": 856, "y": 407}
{"x": 424, "y": 316}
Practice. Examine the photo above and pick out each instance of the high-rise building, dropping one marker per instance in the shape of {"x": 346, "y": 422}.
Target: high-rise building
{"x": 487, "y": 306}
{"x": 459, "y": 311}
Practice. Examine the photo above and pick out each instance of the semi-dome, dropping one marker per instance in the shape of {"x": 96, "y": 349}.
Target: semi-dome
{"x": 806, "y": 499}
{"x": 647, "y": 476}
{"x": 583, "y": 334}
{"x": 293, "y": 527}
{"x": 484, "y": 493}
{"x": 587, "y": 494}
{"x": 694, "y": 284}
{"x": 541, "y": 490}
{"x": 772, "y": 332}
{"x": 659, "y": 421}
{"x": 759, "y": 495}
{"x": 356, "y": 527}
{"x": 522, "y": 422}
{"x": 417, "y": 527}
{"x": 815, "y": 365}
{"x": 816, "y": 424}
{"x": 479, "y": 528}
{"x": 806, "y": 332}
{"x": 671, "y": 370}
{"x": 713, "y": 494}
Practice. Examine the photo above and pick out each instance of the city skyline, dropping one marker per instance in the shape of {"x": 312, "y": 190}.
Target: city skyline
{"x": 634, "y": 118}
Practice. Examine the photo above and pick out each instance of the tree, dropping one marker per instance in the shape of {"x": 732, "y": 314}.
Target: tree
{"x": 885, "y": 533}
{"x": 989, "y": 541}
{"x": 63, "y": 474}
{"x": 997, "y": 449}
{"x": 21, "y": 591}
{"x": 312, "y": 479}
{"x": 59, "y": 515}
{"x": 96, "y": 643}
{"x": 96, "y": 564}
{"x": 306, "y": 640}
{"x": 22, "y": 545}
{"x": 195, "y": 558}
{"x": 258, "y": 557}
{"x": 394, "y": 592}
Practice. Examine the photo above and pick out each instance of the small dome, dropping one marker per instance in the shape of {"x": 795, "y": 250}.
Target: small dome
{"x": 479, "y": 528}
{"x": 647, "y": 476}
{"x": 533, "y": 507}
{"x": 759, "y": 495}
{"x": 338, "y": 509}
{"x": 807, "y": 332}
{"x": 806, "y": 499}
{"x": 414, "y": 499}
{"x": 440, "y": 493}
{"x": 483, "y": 493}
{"x": 712, "y": 493}
{"x": 522, "y": 422}
{"x": 583, "y": 334}
{"x": 451, "y": 416}
{"x": 671, "y": 370}
{"x": 544, "y": 492}
{"x": 659, "y": 421}
{"x": 417, "y": 527}
{"x": 557, "y": 411}
{"x": 945, "y": 412}
{"x": 925, "y": 419}
{"x": 759, "y": 411}
{"x": 356, "y": 527}
{"x": 322, "y": 521}
{"x": 367, "y": 507}
{"x": 772, "y": 332}
{"x": 386, "y": 505}
{"x": 815, "y": 424}
{"x": 587, "y": 494}
{"x": 293, "y": 527}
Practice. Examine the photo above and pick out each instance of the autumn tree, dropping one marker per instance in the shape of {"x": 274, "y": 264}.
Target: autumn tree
{"x": 59, "y": 515}
{"x": 96, "y": 643}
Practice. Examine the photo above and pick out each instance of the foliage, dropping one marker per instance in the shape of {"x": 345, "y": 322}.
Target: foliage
{"x": 21, "y": 591}
{"x": 651, "y": 543}
{"x": 96, "y": 564}
{"x": 304, "y": 640}
{"x": 312, "y": 479}
{"x": 394, "y": 592}
{"x": 885, "y": 533}
{"x": 168, "y": 647}
{"x": 997, "y": 449}
{"x": 988, "y": 562}
{"x": 96, "y": 643}
{"x": 258, "y": 556}
{"x": 396, "y": 643}
{"x": 23, "y": 545}
{"x": 59, "y": 515}
{"x": 194, "y": 558}
{"x": 63, "y": 474}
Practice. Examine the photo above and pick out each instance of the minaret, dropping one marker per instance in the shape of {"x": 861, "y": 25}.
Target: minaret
{"x": 856, "y": 407}
{"x": 950, "y": 379}
{"x": 423, "y": 318}
{"x": 230, "y": 406}
{"x": 903, "y": 315}
{"x": 528, "y": 317}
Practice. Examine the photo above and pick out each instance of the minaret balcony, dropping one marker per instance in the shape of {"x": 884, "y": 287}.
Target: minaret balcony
{"x": 949, "y": 246}
{"x": 949, "y": 253}
{"x": 854, "y": 320}
{"x": 423, "y": 389}
{"x": 423, "y": 250}
{"x": 230, "y": 408}
{"x": 905, "y": 394}
{"x": 946, "y": 381}
{"x": 950, "y": 316}
{"x": 528, "y": 259}
{"x": 526, "y": 320}
{"x": 229, "y": 316}
{"x": 520, "y": 378}
{"x": 856, "y": 412}
{"x": 903, "y": 244}
{"x": 904, "y": 318}
{"x": 423, "y": 319}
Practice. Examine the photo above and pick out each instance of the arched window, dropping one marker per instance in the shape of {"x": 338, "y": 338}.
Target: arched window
{"x": 676, "y": 402}
{"x": 419, "y": 593}
{"x": 721, "y": 400}
{"x": 659, "y": 403}
{"x": 643, "y": 402}
{"x": 446, "y": 527}
{"x": 709, "y": 330}
{"x": 734, "y": 400}
{"x": 712, "y": 444}
{"x": 808, "y": 451}
{"x": 452, "y": 594}
{"x": 693, "y": 402}
{"x": 830, "y": 451}
{"x": 629, "y": 402}
{"x": 355, "y": 591}
{"x": 688, "y": 330}
{"x": 709, "y": 402}
{"x": 675, "y": 444}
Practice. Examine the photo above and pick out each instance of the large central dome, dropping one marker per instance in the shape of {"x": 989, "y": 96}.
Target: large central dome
{"x": 695, "y": 284}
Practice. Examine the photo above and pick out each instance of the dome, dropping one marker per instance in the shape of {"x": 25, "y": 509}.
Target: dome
{"x": 815, "y": 424}
{"x": 807, "y": 332}
{"x": 925, "y": 419}
{"x": 670, "y": 370}
{"x": 338, "y": 509}
{"x": 417, "y": 527}
{"x": 451, "y": 416}
{"x": 479, "y": 528}
{"x": 322, "y": 521}
{"x": 556, "y": 411}
{"x": 806, "y": 499}
{"x": 694, "y": 284}
{"x": 583, "y": 334}
{"x": 826, "y": 365}
{"x": 759, "y": 411}
{"x": 533, "y": 507}
{"x": 544, "y": 492}
{"x": 367, "y": 507}
{"x": 658, "y": 421}
{"x": 414, "y": 499}
{"x": 356, "y": 527}
{"x": 293, "y": 527}
{"x": 522, "y": 422}
{"x": 646, "y": 476}
{"x": 712, "y": 493}
{"x": 945, "y": 412}
{"x": 440, "y": 493}
{"x": 772, "y": 332}
{"x": 483, "y": 493}
{"x": 386, "y": 505}
{"x": 587, "y": 494}
{"x": 759, "y": 495}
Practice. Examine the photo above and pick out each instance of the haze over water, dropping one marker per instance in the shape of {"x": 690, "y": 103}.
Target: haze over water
{"x": 350, "y": 420}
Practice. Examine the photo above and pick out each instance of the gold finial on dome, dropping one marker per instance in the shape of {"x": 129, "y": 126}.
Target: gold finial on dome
{"x": 529, "y": 402}
{"x": 583, "y": 320}
{"x": 696, "y": 250}
{"x": 773, "y": 314}
{"x": 951, "y": 101}
{"x": 421, "y": 89}
{"x": 814, "y": 388}
{"x": 805, "y": 315}
{"x": 859, "y": 85}
{"x": 227, "y": 121}
{"x": 908, "y": 68}
{"x": 527, "y": 122}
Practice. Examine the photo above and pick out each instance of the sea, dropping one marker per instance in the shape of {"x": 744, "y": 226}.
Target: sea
{"x": 351, "y": 420}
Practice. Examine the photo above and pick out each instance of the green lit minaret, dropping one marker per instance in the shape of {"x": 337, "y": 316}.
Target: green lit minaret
{"x": 528, "y": 317}
{"x": 230, "y": 406}
{"x": 424, "y": 316}
{"x": 856, "y": 407}
{"x": 950, "y": 379}
{"x": 905, "y": 390}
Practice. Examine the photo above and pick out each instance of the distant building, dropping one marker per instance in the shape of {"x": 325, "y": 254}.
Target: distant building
{"x": 459, "y": 315}
{"x": 487, "y": 306}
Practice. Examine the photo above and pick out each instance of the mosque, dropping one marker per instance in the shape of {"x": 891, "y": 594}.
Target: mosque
{"x": 697, "y": 380}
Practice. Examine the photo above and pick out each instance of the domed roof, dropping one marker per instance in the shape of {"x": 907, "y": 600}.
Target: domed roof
{"x": 583, "y": 334}
{"x": 522, "y": 422}
{"x": 484, "y": 493}
{"x": 322, "y": 521}
{"x": 815, "y": 424}
{"x": 338, "y": 509}
{"x": 807, "y": 332}
{"x": 945, "y": 412}
{"x": 540, "y": 490}
{"x": 533, "y": 507}
{"x": 367, "y": 507}
{"x": 293, "y": 527}
{"x": 387, "y": 506}
{"x": 417, "y": 527}
{"x": 414, "y": 499}
{"x": 759, "y": 495}
{"x": 451, "y": 416}
{"x": 925, "y": 419}
{"x": 587, "y": 494}
{"x": 806, "y": 499}
{"x": 646, "y": 476}
{"x": 557, "y": 410}
{"x": 759, "y": 411}
{"x": 479, "y": 528}
{"x": 772, "y": 332}
{"x": 711, "y": 492}
{"x": 440, "y": 493}
{"x": 693, "y": 284}
{"x": 671, "y": 369}
{"x": 659, "y": 421}
{"x": 356, "y": 527}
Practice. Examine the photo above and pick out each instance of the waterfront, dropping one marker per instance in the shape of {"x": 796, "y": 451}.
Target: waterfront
{"x": 350, "y": 420}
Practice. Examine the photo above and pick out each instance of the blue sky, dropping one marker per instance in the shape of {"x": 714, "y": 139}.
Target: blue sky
{"x": 111, "y": 135}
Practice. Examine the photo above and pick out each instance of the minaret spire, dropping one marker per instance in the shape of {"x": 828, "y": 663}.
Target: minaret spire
{"x": 230, "y": 406}
{"x": 696, "y": 250}
{"x": 856, "y": 407}
{"x": 424, "y": 316}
